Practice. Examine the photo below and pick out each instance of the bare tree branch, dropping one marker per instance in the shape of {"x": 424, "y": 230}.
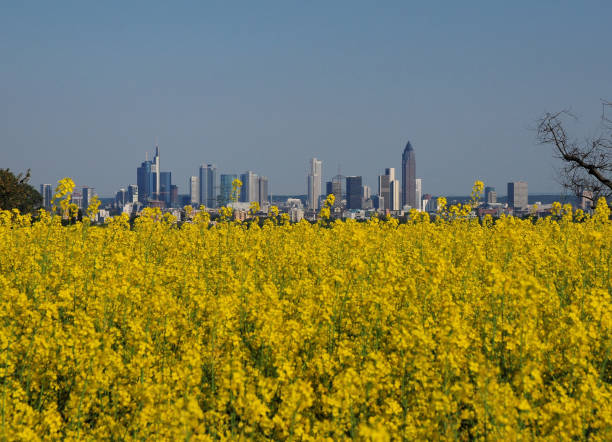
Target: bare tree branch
{"x": 587, "y": 166}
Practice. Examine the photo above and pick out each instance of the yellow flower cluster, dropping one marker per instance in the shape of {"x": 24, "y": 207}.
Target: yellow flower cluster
{"x": 451, "y": 329}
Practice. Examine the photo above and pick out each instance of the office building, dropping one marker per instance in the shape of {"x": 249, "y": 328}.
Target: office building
{"x": 87, "y": 195}
{"x": 208, "y": 185}
{"x": 174, "y": 195}
{"x": 354, "y": 192}
{"x": 409, "y": 197}
{"x": 366, "y": 192}
{"x": 250, "y": 187}
{"x": 121, "y": 198}
{"x": 132, "y": 193}
{"x": 334, "y": 188}
{"x": 388, "y": 190}
{"x": 46, "y": 192}
{"x": 165, "y": 182}
{"x": 225, "y": 190}
{"x": 378, "y": 202}
{"x": 263, "y": 190}
{"x": 194, "y": 190}
{"x": 418, "y": 193}
{"x": 490, "y": 195}
{"x": 144, "y": 181}
{"x": 517, "y": 195}
{"x": 156, "y": 172}
{"x": 314, "y": 183}
{"x": 329, "y": 188}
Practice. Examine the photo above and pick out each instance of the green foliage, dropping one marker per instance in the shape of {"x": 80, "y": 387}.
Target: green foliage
{"x": 16, "y": 193}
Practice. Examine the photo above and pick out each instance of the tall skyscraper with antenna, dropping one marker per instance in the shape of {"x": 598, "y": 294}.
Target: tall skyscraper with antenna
{"x": 156, "y": 171}
{"x": 409, "y": 196}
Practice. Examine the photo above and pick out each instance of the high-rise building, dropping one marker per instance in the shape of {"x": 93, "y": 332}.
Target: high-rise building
{"x": 263, "y": 190}
{"x": 174, "y": 198}
{"x": 165, "y": 190}
{"x": 490, "y": 196}
{"x": 194, "y": 190}
{"x": 226, "y": 187}
{"x": 418, "y": 192}
{"x": 337, "y": 181}
{"x": 517, "y": 195}
{"x": 409, "y": 177}
{"x": 354, "y": 192}
{"x": 250, "y": 187}
{"x": 47, "y": 195}
{"x": 144, "y": 181}
{"x": 121, "y": 198}
{"x": 314, "y": 183}
{"x": 366, "y": 193}
{"x": 88, "y": 194}
{"x": 388, "y": 189}
{"x": 132, "y": 193}
{"x": 156, "y": 171}
{"x": 208, "y": 185}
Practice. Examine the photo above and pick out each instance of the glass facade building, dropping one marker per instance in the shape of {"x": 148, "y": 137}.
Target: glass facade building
{"x": 226, "y": 187}
{"x": 145, "y": 181}
{"x": 165, "y": 184}
{"x": 354, "y": 192}
{"x": 409, "y": 196}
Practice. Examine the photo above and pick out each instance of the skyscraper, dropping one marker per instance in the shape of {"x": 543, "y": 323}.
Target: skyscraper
{"x": 174, "y": 198}
{"x": 337, "y": 181}
{"x": 517, "y": 195}
{"x": 418, "y": 191}
{"x": 88, "y": 194}
{"x": 250, "y": 187}
{"x": 46, "y": 192}
{"x": 156, "y": 171}
{"x": 388, "y": 189}
{"x": 144, "y": 181}
{"x": 263, "y": 190}
{"x": 164, "y": 193}
{"x": 208, "y": 185}
{"x": 490, "y": 196}
{"x": 121, "y": 198}
{"x": 354, "y": 192}
{"x": 225, "y": 189}
{"x": 409, "y": 177}
{"x": 132, "y": 193}
{"x": 314, "y": 183}
{"x": 194, "y": 190}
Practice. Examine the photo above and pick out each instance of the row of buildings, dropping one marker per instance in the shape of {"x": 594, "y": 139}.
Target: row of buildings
{"x": 351, "y": 193}
{"x": 205, "y": 189}
{"x": 82, "y": 196}
{"x": 209, "y": 188}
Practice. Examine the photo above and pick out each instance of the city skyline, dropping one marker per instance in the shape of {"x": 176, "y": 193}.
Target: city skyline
{"x": 88, "y": 87}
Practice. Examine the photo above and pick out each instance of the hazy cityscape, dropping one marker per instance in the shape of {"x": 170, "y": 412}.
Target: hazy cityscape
{"x": 395, "y": 194}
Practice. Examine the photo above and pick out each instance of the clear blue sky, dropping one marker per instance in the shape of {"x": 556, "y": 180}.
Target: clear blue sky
{"x": 86, "y": 87}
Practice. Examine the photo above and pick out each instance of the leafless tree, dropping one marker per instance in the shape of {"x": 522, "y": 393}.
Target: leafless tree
{"x": 587, "y": 165}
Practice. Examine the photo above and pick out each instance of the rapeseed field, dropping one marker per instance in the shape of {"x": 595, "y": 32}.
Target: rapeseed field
{"x": 446, "y": 329}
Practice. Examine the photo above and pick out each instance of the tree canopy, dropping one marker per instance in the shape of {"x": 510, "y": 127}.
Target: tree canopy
{"x": 17, "y": 193}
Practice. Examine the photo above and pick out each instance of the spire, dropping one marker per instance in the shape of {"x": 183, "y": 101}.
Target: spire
{"x": 408, "y": 146}
{"x": 156, "y": 147}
